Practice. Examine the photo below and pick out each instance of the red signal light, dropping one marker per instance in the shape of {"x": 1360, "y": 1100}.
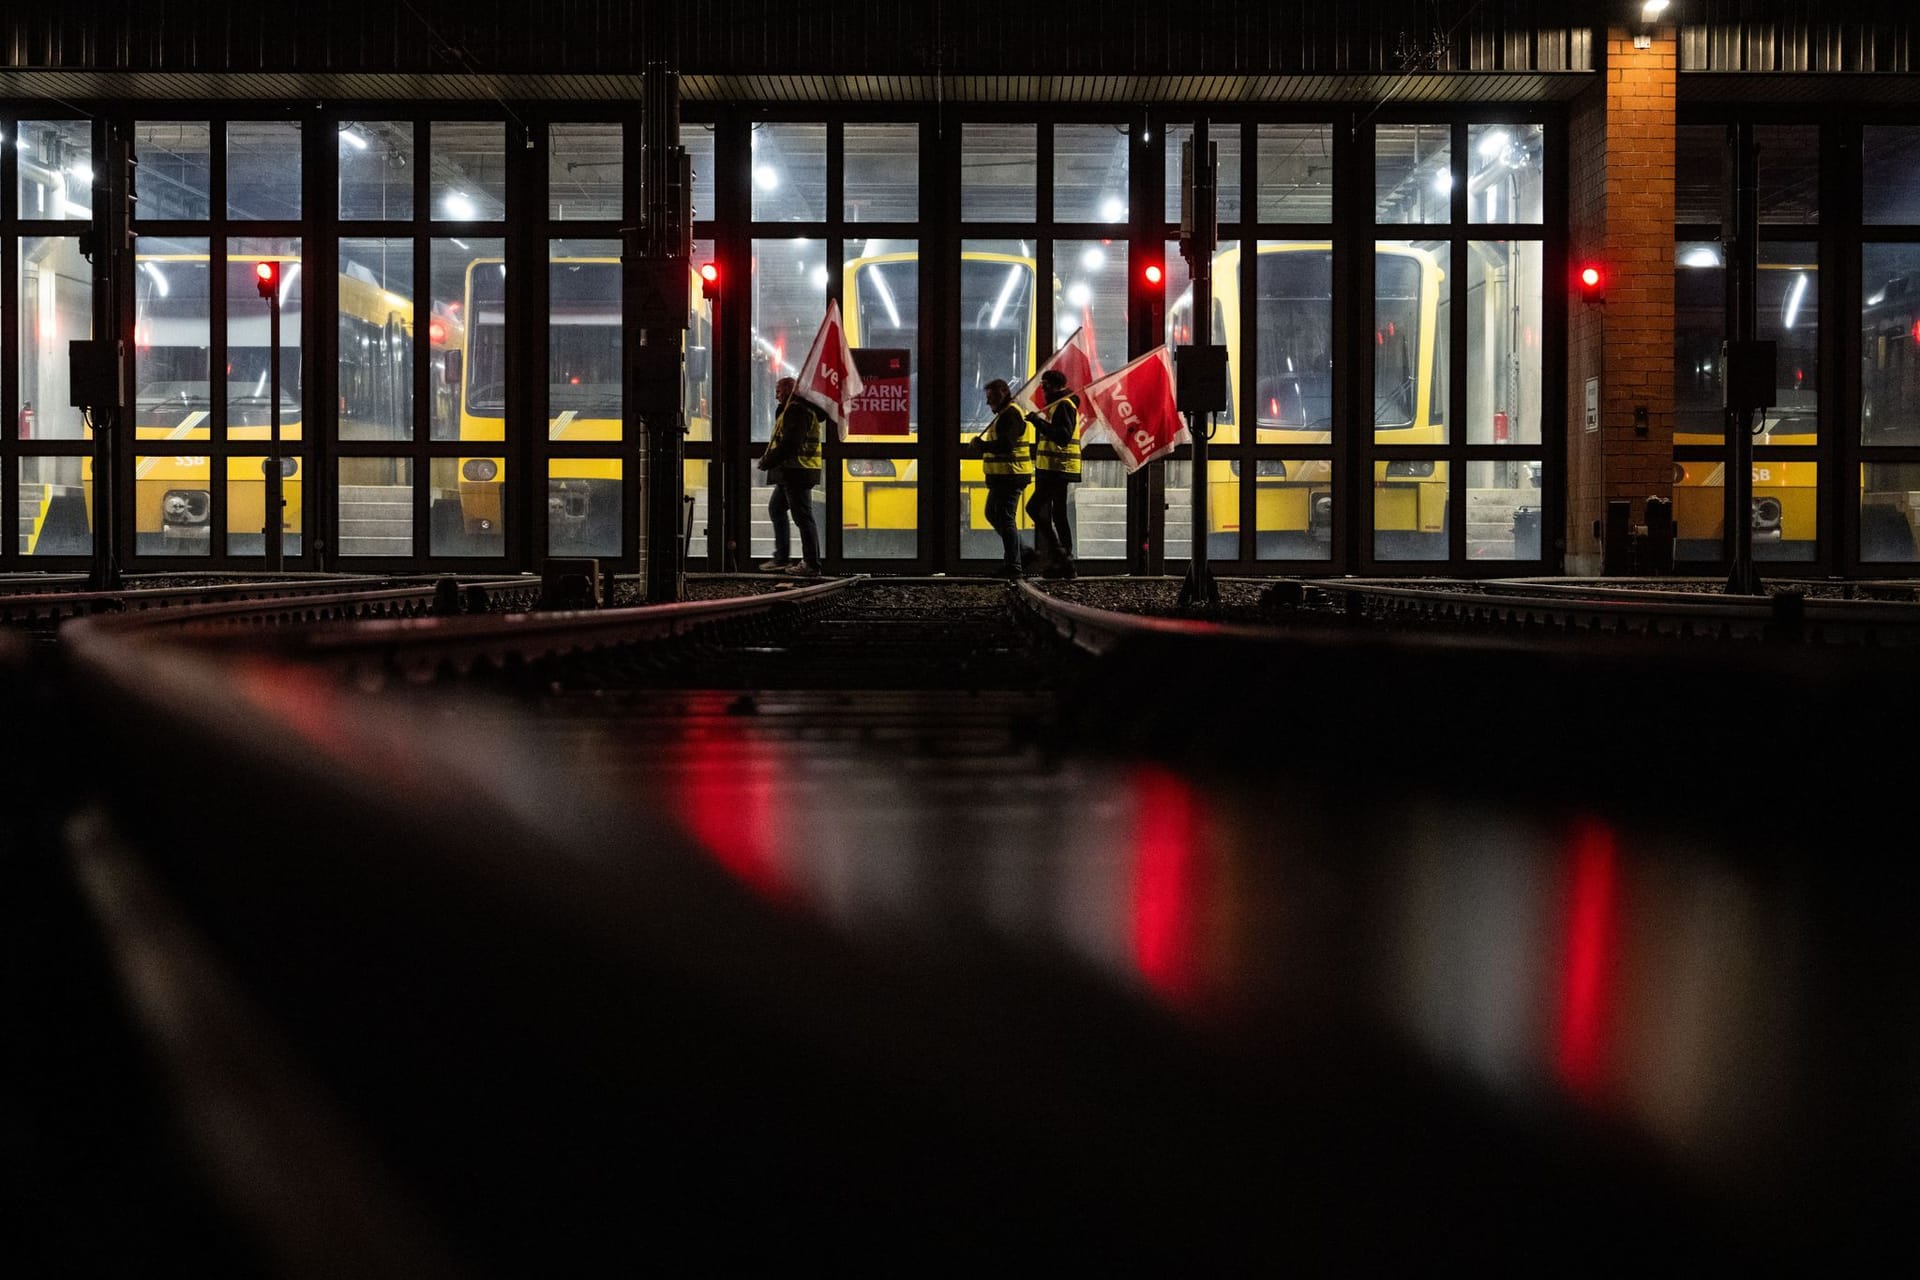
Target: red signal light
{"x": 266, "y": 277}
{"x": 709, "y": 279}
{"x": 1153, "y": 273}
{"x": 1593, "y": 284}
{"x": 436, "y": 332}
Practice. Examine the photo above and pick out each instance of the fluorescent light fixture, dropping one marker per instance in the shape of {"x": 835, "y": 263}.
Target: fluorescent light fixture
{"x": 1793, "y": 300}
{"x": 1006, "y": 296}
{"x": 463, "y": 244}
{"x": 1078, "y": 294}
{"x": 765, "y": 178}
{"x": 885, "y": 294}
{"x": 1113, "y": 210}
{"x": 460, "y": 206}
{"x": 820, "y": 277}
{"x": 1653, "y": 9}
{"x": 1700, "y": 256}
{"x": 1493, "y": 144}
{"x": 1443, "y": 181}
{"x": 159, "y": 278}
{"x": 81, "y": 170}
{"x": 1094, "y": 258}
{"x": 352, "y": 138}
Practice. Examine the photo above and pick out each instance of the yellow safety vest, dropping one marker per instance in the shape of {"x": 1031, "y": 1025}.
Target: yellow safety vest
{"x": 1007, "y": 446}
{"x": 1063, "y": 459}
{"x": 810, "y": 455}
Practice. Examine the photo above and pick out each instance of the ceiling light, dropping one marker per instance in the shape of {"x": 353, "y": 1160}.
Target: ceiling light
{"x": 1078, "y": 294}
{"x": 352, "y": 139}
{"x": 459, "y": 206}
{"x": 765, "y": 178}
{"x": 1493, "y": 144}
{"x": 1094, "y": 258}
{"x": 1113, "y": 210}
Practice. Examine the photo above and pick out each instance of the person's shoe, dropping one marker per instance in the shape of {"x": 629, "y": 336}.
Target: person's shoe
{"x": 803, "y": 570}
{"x": 1062, "y": 569}
{"x": 775, "y": 566}
{"x": 1011, "y": 572}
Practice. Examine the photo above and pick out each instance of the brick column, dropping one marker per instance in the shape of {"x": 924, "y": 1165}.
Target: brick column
{"x": 1620, "y": 210}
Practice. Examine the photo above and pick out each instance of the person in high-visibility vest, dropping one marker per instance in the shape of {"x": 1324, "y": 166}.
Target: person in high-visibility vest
{"x": 794, "y": 460}
{"x": 1006, "y": 458}
{"x": 1056, "y": 466}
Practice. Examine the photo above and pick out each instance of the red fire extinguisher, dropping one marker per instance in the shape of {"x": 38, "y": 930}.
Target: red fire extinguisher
{"x": 26, "y": 420}
{"x": 1499, "y": 428}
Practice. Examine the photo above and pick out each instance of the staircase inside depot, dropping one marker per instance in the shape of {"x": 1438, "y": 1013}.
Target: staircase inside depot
{"x": 376, "y": 520}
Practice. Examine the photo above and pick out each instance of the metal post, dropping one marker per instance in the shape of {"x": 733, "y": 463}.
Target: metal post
{"x": 274, "y": 515}
{"x": 662, "y": 263}
{"x": 1197, "y": 245}
{"x": 1743, "y": 271}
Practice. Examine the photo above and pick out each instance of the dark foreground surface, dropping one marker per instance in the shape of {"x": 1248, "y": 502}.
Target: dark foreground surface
{"x": 729, "y": 962}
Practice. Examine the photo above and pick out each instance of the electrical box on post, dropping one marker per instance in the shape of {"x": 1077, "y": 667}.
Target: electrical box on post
{"x": 1200, "y": 379}
{"x": 1747, "y": 378}
{"x": 94, "y": 373}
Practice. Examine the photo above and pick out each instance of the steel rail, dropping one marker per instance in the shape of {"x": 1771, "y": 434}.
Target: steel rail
{"x": 41, "y": 610}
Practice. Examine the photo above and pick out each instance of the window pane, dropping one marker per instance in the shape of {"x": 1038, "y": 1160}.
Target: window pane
{"x": 466, "y": 498}
{"x": 56, "y": 168}
{"x": 376, "y": 169}
{"x": 250, "y": 359}
{"x": 1789, "y": 177}
{"x": 1890, "y": 344}
{"x": 1226, "y": 140}
{"x": 175, "y": 161}
{"x": 698, "y": 140}
{"x": 54, "y": 517}
{"x": 1505, "y": 172}
{"x": 1410, "y": 510}
{"x": 698, "y": 404}
{"x": 1503, "y": 510}
{"x": 1096, "y": 512}
{"x": 1889, "y": 511}
{"x": 1411, "y": 341}
{"x": 56, "y": 306}
{"x": 883, "y": 172}
{"x": 469, "y": 171}
{"x": 1412, "y": 172}
{"x": 1224, "y": 319}
{"x": 249, "y": 500}
{"x": 468, "y": 279}
{"x": 1293, "y": 506}
{"x": 696, "y": 489}
{"x": 583, "y": 340}
{"x": 1890, "y": 163}
{"x": 263, "y": 169}
{"x": 997, "y": 318}
{"x": 1700, "y": 188}
{"x": 997, "y": 164}
{"x": 1503, "y": 342}
{"x": 879, "y": 508}
{"x": 584, "y": 171}
{"x": 1699, "y": 324}
{"x": 376, "y": 506}
{"x": 171, "y": 328}
{"x": 1785, "y": 501}
{"x": 172, "y": 505}
{"x": 789, "y": 302}
{"x": 1296, "y": 173}
{"x": 789, "y": 172}
{"x": 1090, "y": 172}
{"x": 1789, "y": 317}
{"x": 583, "y": 506}
{"x": 881, "y": 302}
{"x": 1093, "y": 299}
{"x": 377, "y": 340}
{"x": 1699, "y": 509}
{"x": 1291, "y": 351}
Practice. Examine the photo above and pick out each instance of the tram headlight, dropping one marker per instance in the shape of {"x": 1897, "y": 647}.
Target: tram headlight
{"x": 479, "y": 470}
{"x": 185, "y": 506}
{"x": 1766, "y": 515}
{"x": 1405, "y": 467}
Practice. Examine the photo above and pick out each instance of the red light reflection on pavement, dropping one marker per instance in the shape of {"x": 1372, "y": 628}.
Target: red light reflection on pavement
{"x": 725, "y": 797}
{"x": 1166, "y": 870}
{"x": 1592, "y": 933}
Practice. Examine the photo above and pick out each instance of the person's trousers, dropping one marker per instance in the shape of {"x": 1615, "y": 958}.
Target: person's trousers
{"x": 793, "y": 495}
{"x": 1003, "y": 502}
{"x": 1047, "y": 508}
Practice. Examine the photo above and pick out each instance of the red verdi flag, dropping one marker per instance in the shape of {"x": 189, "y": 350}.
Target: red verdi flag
{"x": 1134, "y": 411}
{"x": 828, "y": 380}
{"x": 1072, "y": 359}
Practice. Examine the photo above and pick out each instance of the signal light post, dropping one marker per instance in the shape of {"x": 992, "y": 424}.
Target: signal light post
{"x": 266, "y": 278}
